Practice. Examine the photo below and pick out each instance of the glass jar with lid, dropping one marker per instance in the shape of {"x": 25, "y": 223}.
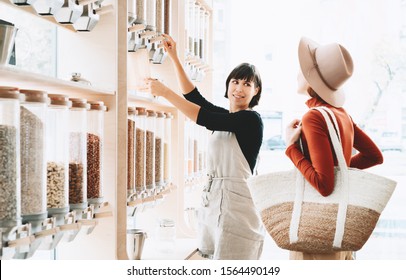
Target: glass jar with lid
{"x": 195, "y": 152}
{"x": 58, "y": 157}
{"x": 166, "y": 235}
{"x": 33, "y": 117}
{"x": 168, "y": 149}
{"x": 189, "y": 137}
{"x": 131, "y": 151}
{"x": 140, "y": 149}
{"x": 78, "y": 155}
{"x": 95, "y": 145}
{"x": 10, "y": 195}
{"x": 159, "y": 150}
{"x": 150, "y": 152}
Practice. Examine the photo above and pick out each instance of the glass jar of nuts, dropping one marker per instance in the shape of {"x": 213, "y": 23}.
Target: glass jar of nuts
{"x": 95, "y": 144}
{"x": 10, "y": 194}
{"x": 78, "y": 155}
{"x": 58, "y": 157}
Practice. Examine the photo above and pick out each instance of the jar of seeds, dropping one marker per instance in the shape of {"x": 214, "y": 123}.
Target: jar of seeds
{"x": 150, "y": 152}
{"x": 131, "y": 150}
{"x": 33, "y": 117}
{"x": 78, "y": 155}
{"x": 10, "y": 194}
{"x": 159, "y": 150}
{"x": 140, "y": 149}
{"x": 168, "y": 149}
{"x": 95, "y": 144}
{"x": 57, "y": 156}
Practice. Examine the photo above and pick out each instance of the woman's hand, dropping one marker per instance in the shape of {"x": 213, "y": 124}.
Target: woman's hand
{"x": 293, "y": 131}
{"x": 170, "y": 46}
{"x": 156, "y": 87}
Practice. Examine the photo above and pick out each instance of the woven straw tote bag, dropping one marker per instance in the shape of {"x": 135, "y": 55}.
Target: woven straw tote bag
{"x": 298, "y": 218}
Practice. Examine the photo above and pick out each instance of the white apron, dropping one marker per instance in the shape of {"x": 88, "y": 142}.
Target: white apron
{"x": 229, "y": 225}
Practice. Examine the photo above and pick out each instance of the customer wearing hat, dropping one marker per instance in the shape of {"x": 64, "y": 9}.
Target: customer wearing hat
{"x": 324, "y": 70}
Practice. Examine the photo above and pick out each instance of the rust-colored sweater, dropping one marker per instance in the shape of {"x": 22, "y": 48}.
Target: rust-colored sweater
{"x": 318, "y": 160}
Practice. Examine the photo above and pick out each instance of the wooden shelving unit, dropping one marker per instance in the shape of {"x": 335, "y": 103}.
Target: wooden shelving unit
{"x": 102, "y": 54}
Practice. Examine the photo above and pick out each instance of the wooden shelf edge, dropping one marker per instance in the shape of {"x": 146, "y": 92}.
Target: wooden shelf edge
{"x": 149, "y": 101}
{"x": 13, "y": 76}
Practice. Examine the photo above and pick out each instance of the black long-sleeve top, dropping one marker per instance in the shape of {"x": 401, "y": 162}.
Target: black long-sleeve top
{"x": 246, "y": 124}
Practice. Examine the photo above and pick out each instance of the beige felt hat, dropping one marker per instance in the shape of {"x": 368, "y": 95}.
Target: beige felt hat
{"x": 326, "y": 68}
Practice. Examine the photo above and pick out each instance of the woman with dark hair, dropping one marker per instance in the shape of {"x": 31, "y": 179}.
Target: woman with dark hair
{"x": 229, "y": 225}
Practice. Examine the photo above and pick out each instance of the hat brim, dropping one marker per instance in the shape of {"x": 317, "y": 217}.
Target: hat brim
{"x": 306, "y": 49}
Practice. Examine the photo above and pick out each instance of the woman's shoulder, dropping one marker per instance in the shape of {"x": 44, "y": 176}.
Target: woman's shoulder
{"x": 250, "y": 114}
{"x": 249, "y": 121}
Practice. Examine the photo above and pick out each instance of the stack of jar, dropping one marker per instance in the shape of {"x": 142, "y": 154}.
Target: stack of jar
{"x": 42, "y": 138}
{"x": 86, "y": 138}
{"x": 195, "y": 151}
{"x": 148, "y": 151}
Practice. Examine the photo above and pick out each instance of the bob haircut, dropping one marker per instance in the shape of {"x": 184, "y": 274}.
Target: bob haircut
{"x": 250, "y": 73}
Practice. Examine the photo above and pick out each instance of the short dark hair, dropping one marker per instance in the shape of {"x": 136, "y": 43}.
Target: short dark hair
{"x": 248, "y": 72}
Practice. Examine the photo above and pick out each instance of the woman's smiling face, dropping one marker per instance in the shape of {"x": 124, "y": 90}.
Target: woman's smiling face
{"x": 240, "y": 93}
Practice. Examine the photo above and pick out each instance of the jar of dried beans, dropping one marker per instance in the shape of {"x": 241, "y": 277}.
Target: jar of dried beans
{"x": 10, "y": 194}
{"x": 57, "y": 157}
{"x": 33, "y": 113}
{"x": 95, "y": 144}
{"x": 150, "y": 152}
{"x": 78, "y": 155}
{"x": 159, "y": 150}
{"x": 131, "y": 150}
{"x": 168, "y": 149}
{"x": 140, "y": 150}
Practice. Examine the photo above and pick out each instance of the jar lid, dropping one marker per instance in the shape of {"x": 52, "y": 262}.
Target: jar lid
{"x": 9, "y": 92}
{"x": 97, "y": 105}
{"x": 141, "y": 111}
{"x": 80, "y": 103}
{"x": 160, "y": 114}
{"x": 135, "y": 231}
{"x": 35, "y": 95}
{"x": 132, "y": 111}
{"x": 60, "y": 100}
{"x": 166, "y": 223}
{"x": 151, "y": 113}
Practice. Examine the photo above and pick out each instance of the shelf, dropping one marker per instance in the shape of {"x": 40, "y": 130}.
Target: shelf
{"x": 147, "y": 100}
{"x": 29, "y": 9}
{"x": 49, "y": 18}
{"x": 13, "y": 76}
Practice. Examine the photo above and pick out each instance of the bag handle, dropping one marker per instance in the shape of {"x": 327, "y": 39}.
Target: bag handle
{"x": 338, "y": 149}
{"x": 334, "y": 133}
